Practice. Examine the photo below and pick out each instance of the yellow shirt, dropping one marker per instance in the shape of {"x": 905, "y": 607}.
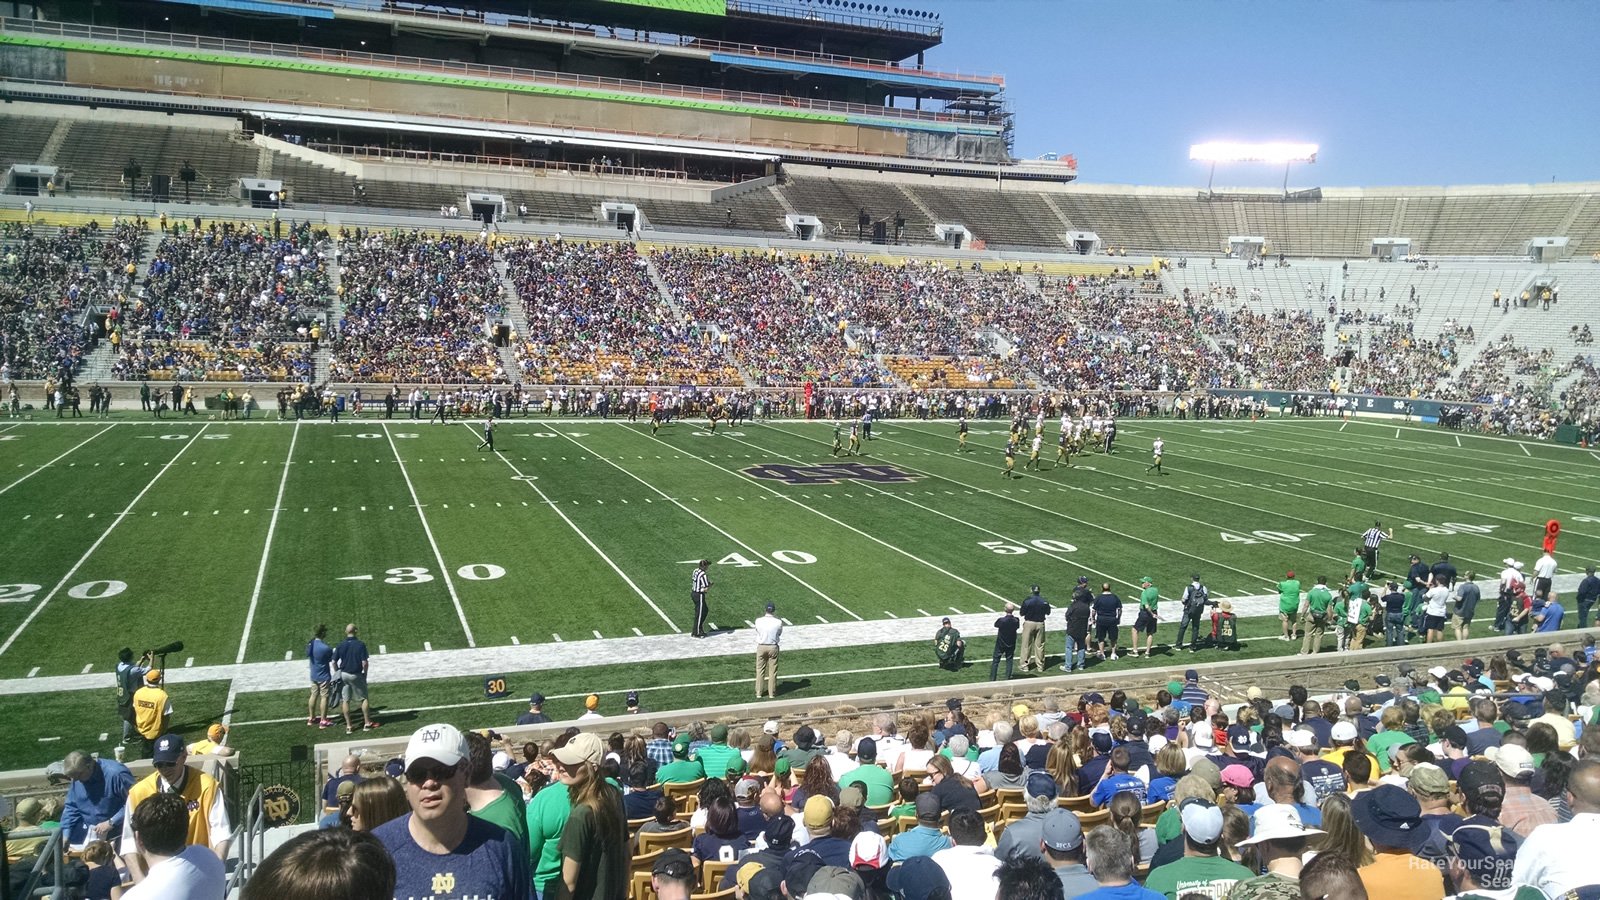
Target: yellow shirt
{"x": 150, "y": 708}
{"x": 1401, "y": 876}
{"x": 208, "y": 818}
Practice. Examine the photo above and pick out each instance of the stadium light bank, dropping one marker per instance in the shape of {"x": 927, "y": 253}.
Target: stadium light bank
{"x": 1273, "y": 152}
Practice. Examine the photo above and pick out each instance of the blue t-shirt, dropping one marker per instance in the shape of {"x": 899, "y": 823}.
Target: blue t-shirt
{"x": 1129, "y": 891}
{"x": 488, "y": 864}
{"x": 1552, "y": 617}
{"x": 1112, "y": 785}
{"x": 1310, "y": 816}
{"x": 1160, "y": 789}
{"x": 321, "y": 656}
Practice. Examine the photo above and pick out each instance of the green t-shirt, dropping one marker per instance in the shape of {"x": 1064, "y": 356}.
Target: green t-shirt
{"x": 547, "y": 816}
{"x": 877, "y": 782}
{"x": 503, "y": 811}
{"x": 1289, "y": 596}
{"x": 1168, "y": 825}
{"x": 1380, "y": 743}
{"x": 1319, "y": 599}
{"x": 1209, "y": 876}
{"x": 681, "y": 771}
{"x": 1341, "y": 612}
{"x": 1358, "y": 565}
{"x": 1149, "y": 597}
{"x": 602, "y": 864}
{"x": 1358, "y": 588}
{"x": 716, "y": 759}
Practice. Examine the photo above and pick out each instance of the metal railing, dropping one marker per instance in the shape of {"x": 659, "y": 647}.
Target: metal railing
{"x": 52, "y": 860}
{"x": 202, "y": 44}
{"x": 504, "y": 162}
{"x": 688, "y": 42}
{"x": 250, "y": 837}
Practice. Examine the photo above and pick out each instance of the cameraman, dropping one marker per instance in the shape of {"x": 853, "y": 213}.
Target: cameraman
{"x": 130, "y": 677}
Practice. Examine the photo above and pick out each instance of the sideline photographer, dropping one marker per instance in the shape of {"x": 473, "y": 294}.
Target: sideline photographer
{"x": 130, "y": 677}
{"x": 152, "y": 707}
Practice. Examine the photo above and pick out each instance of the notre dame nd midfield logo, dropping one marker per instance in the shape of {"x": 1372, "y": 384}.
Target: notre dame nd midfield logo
{"x": 876, "y": 473}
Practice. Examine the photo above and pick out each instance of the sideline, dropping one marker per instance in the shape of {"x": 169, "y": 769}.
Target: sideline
{"x": 283, "y": 675}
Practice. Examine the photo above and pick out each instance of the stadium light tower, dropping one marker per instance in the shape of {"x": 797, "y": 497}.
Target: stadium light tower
{"x": 1273, "y": 152}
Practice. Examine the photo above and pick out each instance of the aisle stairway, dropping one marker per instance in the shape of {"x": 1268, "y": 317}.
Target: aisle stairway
{"x": 518, "y": 316}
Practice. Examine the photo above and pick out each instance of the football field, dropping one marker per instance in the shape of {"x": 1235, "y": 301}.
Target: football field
{"x": 237, "y": 538}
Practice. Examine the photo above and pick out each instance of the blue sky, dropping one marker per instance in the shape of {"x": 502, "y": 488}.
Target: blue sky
{"x": 1396, "y": 92}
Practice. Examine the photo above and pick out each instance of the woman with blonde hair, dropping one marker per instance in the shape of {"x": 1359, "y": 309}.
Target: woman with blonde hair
{"x": 1342, "y": 836}
{"x": 1061, "y": 767}
{"x": 594, "y": 841}
{"x": 1171, "y": 764}
{"x": 376, "y": 801}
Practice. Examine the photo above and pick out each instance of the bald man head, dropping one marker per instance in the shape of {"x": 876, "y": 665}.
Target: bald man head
{"x": 1584, "y": 785}
{"x": 1282, "y": 777}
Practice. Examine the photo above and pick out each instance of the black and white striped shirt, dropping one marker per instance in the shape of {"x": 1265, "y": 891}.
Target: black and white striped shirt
{"x": 700, "y": 582}
{"x": 1373, "y": 538}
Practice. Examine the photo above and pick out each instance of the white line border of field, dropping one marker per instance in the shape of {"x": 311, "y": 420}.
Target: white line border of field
{"x": 57, "y": 459}
{"x": 98, "y": 541}
{"x": 528, "y": 480}
{"x": 266, "y": 550}
{"x": 714, "y": 527}
{"x": 444, "y": 571}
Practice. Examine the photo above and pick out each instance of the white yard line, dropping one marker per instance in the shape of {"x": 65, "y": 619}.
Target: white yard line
{"x": 98, "y": 541}
{"x": 444, "y": 571}
{"x": 266, "y": 550}
{"x": 709, "y": 524}
{"x": 555, "y": 507}
{"x": 1048, "y": 553}
{"x": 57, "y": 459}
{"x": 1209, "y": 561}
{"x": 1434, "y": 489}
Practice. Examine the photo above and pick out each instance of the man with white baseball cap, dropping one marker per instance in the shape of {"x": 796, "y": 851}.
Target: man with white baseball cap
{"x": 1522, "y": 810}
{"x": 1280, "y": 839}
{"x": 438, "y": 848}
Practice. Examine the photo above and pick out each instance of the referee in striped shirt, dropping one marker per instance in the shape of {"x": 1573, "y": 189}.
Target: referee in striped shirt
{"x": 1370, "y": 542}
{"x": 699, "y": 583}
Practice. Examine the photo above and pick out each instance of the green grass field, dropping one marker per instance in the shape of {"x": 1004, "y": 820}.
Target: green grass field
{"x": 131, "y": 533}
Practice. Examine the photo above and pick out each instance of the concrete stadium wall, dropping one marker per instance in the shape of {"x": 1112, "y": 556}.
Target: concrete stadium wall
{"x": 1322, "y": 675}
{"x": 286, "y": 85}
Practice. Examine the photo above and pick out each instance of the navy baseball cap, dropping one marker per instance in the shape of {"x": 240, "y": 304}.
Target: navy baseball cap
{"x": 167, "y": 750}
{"x": 919, "y": 878}
{"x": 536, "y": 700}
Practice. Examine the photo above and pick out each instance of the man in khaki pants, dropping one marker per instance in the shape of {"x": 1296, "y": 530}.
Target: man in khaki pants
{"x": 1035, "y": 609}
{"x": 769, "y": 631}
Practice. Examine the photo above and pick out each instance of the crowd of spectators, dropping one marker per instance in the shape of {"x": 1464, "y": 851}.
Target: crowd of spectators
{"x": 1280, "y": 350}
{"x": 48, "y": 278}
{"x": 777, "y": 331}
{"x": 418, "y": 308}
{"x": 1469, "y": 781}
{"x": 263, "y": 360}
{"x": 594, "y": 314}
{"x": 228, "y": 283}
